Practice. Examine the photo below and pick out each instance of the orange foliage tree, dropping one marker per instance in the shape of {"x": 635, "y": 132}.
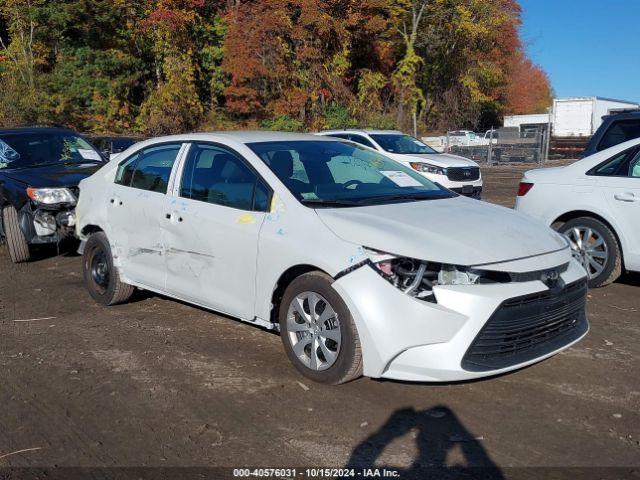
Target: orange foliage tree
{"x": 528, "y": 89}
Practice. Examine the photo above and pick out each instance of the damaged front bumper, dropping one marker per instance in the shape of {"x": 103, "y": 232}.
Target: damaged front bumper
{"x": 405, "y": 338}
{"x": 46, "y": 225}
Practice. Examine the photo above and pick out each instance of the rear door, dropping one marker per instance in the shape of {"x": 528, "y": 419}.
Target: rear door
{"x": 211, "y": 223}
{"x": 619, "y": 180}
{"x": 135, "y": 213}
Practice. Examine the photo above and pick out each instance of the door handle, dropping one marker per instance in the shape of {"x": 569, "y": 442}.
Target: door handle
{"x": 625, "y": 197}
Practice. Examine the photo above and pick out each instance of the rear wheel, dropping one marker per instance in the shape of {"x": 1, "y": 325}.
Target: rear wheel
{"x": 16, "y": 242}
{"x": 595, "y": 246}
{"x": 100, "y": 276}
{"x": 318, "y": 332}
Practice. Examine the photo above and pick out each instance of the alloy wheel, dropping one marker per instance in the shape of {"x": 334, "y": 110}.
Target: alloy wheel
{"x": 589, "y": 248}
{"x": 313, "y": 329}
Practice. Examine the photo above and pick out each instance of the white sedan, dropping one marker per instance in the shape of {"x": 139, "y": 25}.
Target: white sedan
{"x": 363, "y": 265}
{"x": 595, "y": 202}
{"x": 451, "y": 171}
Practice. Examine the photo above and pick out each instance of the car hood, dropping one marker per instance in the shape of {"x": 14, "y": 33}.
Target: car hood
{"x": 438, "y": 159}
{"x": 457, "y": 231}
{"x": 52, "y": 176}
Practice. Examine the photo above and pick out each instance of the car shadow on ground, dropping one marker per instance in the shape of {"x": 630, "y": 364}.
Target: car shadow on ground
{"x": 630, "y": 278}
{"x": 446, "y": 449}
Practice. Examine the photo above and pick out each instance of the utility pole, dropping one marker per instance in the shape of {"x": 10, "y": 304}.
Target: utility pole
{"x": 548, "y": 138}
{"x": 490, "y": 151}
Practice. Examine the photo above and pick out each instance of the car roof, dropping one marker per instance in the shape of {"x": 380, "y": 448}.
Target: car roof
{"x": 239, "y": 136}
{"x": 630, "y": 115}
{"x": 36, "y": 129}
{"x": 365, "y": 131}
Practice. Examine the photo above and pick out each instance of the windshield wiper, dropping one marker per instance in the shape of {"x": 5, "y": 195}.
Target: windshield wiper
{"x": 326, "y": 202}
{"x": 392, "y": 198}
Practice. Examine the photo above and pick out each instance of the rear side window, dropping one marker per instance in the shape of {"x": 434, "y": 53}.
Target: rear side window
{"x": 634, "y": 166}
{"x": 625, "y": 164}
{"x": 619, "y": 132}
{"x": 149, "y": 169}
{"x": 216, "y": 175}
{"x": 361, "y": 140}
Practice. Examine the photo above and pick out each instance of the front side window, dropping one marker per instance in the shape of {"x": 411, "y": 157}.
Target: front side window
{"x": 216, "y": 175}
{"x": 149, "y": 169}
{"x": 37, "y": 149}
{"x": 403, "y": 144}
{"x": 619, "y": 132}
{"x": 344, "y": 174}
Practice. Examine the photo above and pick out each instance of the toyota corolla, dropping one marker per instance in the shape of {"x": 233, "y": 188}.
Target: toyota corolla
{"x": 363, "y": 265}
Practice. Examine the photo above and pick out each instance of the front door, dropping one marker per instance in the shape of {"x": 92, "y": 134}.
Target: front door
{"x": 211, "y": 226}
{"x": 135, "y": 214}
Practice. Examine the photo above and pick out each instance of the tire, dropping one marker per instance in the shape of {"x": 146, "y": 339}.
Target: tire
{"x": 345, "y": 362}
{"x": 100, "y": 276}
{"x": 16, "y": 242}
{"x": 612, "y": 266}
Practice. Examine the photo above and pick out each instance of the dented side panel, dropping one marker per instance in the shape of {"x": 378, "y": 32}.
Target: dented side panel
{"x": 211, "y": 253}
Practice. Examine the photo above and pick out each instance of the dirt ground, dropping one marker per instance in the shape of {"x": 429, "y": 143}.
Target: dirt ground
{"x": 157, "y": 383}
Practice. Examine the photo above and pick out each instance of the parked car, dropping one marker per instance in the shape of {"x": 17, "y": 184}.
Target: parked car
{"x": 614, "y": 130}
{"x": 110, "y": 146}
{"x": 451, "y": 171}
{"x": 595, "y": 202}
{"x": 361, "y": 263}
{"x": 39, "y": 173}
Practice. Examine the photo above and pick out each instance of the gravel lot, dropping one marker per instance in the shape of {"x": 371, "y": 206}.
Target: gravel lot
{"x": 162, "y": 384}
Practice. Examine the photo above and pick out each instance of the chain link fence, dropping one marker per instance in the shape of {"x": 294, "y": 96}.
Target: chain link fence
{"x": 506, "y": 147}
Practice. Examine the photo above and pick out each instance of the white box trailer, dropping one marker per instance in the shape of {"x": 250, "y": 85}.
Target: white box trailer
{"x": 581, "y": 116}
{"x": 531, "y": 119}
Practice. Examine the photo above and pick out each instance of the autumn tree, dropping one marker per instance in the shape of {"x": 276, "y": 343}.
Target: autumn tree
{"x": 528, "y": 89}
{"x": 297, "y": 58}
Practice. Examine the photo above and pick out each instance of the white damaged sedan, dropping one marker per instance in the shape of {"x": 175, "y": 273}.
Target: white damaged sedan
{"x": 362, "y": 264}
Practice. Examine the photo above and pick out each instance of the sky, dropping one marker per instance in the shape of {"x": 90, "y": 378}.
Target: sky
{"x": 587, "y": 47}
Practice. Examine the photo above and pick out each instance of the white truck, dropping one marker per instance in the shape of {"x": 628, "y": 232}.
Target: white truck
{"x": 571, "y": 117}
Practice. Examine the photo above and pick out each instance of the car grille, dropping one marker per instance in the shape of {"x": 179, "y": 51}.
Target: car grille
{"x": 463, "y": 174}
{"x": 527, "y": 327}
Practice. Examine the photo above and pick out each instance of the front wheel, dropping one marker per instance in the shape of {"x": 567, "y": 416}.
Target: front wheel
{"x": 16, "y": 242}
{"x": 318, "y": 332}
{"x": 595, "y": 246}
{"x": 100, "y": 276}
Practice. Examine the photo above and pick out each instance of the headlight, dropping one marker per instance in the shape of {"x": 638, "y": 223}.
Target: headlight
{"x": 418, "y": 277}
{"x": 428, "y": 168}
{"x": 51, "y": 196}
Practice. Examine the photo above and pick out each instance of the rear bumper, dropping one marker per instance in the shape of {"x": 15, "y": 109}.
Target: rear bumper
{"x": 407, "y": 339}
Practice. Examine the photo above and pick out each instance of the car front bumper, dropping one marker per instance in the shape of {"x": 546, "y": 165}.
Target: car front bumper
{"x": 469, "y": 188}
{"x": 469, "y": 191}
{"x": 408, "y": 339}
{"x": 46, "y": 225}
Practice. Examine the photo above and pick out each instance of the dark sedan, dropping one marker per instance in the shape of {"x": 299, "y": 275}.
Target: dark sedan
{"x": 40, "y": 169}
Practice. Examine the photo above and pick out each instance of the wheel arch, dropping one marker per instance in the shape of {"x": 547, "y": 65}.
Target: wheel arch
{"x": 285, "y": 279}
{"x": 90, "y": 229}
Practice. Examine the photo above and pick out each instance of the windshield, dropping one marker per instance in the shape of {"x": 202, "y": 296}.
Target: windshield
{"x": 403, "y": 144}
{"x": 334, "y": 173}
{"x": 22, "y": 150}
